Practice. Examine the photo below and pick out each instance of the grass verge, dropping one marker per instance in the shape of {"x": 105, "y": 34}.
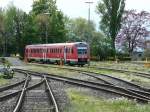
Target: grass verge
{"x": 84, "y": 103}
{"x": 2, "y": 80}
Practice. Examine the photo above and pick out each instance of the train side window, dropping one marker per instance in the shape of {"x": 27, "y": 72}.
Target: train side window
{"x": 59, "y": 50}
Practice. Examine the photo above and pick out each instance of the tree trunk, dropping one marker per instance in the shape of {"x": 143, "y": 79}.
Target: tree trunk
{"x": 114, "y": 48}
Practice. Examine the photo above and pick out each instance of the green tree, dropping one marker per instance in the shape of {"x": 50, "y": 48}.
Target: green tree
{"x": 14, "y": 24}
{"x": 50, "y": 20}
{"x": 1, "y": 31}
{"x": 80, "y": 30}
{"x": 101, "y": 46}
{"x": 111, "y": 12}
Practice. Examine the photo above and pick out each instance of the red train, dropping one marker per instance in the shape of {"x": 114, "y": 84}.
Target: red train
{"x": 77, "y": 53}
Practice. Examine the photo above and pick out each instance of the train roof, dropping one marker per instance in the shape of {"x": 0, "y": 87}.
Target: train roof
{"x": 56, "y": 44}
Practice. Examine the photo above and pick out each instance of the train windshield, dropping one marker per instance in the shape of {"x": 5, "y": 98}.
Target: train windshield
{"x": 82, "y": 50}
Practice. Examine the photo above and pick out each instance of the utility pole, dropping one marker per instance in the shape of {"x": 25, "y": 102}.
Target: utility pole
{"x": 89, "y": 12}
{"x": 89, "y": 15}
{"x": 46, "y": 28}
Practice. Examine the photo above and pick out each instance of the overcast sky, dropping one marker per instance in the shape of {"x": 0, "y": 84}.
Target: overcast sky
{"x": 78, "y": 8}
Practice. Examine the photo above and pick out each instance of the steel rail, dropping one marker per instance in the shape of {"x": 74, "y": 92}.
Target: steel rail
{"x": 105, "y": 85}
{"x": 144, "y": 93}
{"x": 99, "y": 88}
{"x": 19, "y": 91}
{"x": 67, "y": 80}
{"x": 51, "y": 95}
{"x": 20, "y": 100}
{"x": 11, "y": 86}
{"x": 136, "y": 91}
{"x": 132, "y": 91}
{"x": 88, "y": 72}
{"x": 141, "y": 74}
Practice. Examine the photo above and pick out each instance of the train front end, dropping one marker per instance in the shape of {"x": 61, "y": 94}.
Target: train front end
{"x": 83, "y": 53}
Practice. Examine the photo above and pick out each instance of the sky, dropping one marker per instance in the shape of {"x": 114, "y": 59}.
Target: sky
{"x": 78, "y": 8}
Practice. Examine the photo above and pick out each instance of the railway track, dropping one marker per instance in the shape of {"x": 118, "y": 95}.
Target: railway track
{"x": 103, "y": 77}
{"x": 140, "y": 96}
{"x": 141, "y": 74}
{"x": 32, "y": 95}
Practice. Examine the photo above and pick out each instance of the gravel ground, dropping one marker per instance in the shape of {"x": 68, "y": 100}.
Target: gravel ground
{"x": 8, "y": 105}
{"x": 86, "y": 78}
{"x": 15, "y": 61}
{"x": 14, "y": 89}
{"x": 34, "y": 80}
{"x": 60, "y": 95}
{"x": 36, "y": 100}
{"x": 91, "y": 92}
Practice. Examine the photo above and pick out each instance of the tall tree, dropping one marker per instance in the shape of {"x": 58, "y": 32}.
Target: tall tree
{"x": 101, "y": 46}
{"x": 134, "y": 30}
{"x": 2, "y": 28}
{"x": 111, "y": 12}
{"x": 50, "y": 20}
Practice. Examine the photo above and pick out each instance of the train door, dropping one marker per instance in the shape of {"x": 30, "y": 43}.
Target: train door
{"x": 44, "y": 53}
{"x": 65, "y": 54}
